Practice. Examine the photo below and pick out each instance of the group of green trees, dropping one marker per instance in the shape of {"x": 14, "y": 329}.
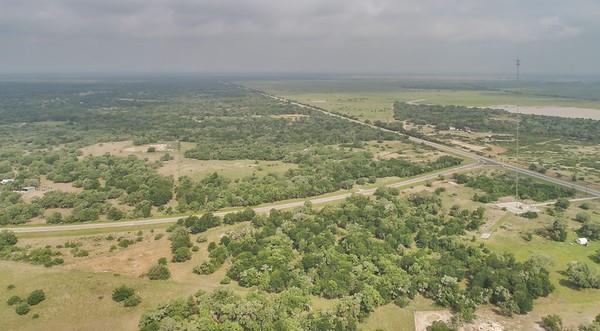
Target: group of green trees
{"x": 225, "y": 122}
{"x": 501, "y": 184}
{"x": 366, "y": 252}
{"x": 14, "y": 210}
{"x": 534, "y": 127}
{"x": 318, "y": 173}
{"x": 180, "y": 243}
{"x": 126, "y": 181}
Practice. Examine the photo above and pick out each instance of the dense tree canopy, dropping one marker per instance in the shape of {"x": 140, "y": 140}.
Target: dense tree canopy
{"x": 365, "y": 252}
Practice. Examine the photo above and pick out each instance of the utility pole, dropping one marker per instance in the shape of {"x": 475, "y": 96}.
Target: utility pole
{"x": 518, "y": 65}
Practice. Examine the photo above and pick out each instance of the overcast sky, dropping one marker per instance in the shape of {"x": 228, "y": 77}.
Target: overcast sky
{"x": 388, "y": 36}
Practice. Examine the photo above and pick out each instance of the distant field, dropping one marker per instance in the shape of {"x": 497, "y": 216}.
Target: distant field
{"x": 374, "y": 101}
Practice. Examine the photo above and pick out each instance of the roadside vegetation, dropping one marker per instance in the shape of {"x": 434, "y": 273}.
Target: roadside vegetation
{"x": 104, "y": 151}
{"x": 213, "y": 120}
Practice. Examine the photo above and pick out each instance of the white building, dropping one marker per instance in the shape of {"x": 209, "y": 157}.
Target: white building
{"x": 582, "y": 241}
{"x": 7, "y": 181}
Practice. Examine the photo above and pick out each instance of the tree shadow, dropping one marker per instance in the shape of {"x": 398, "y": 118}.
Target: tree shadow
{"x": 569, "y": 284}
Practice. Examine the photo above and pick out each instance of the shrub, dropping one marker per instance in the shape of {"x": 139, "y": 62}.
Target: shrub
{"x": 552, "y": 323}
{"x": 558, "y": 231}
{"x": 182, "y": 254}
{"x": 582, "y": 217}
{"x": 36, "y": 297}
{"x": 206, "y": 268}
{"x": 10, "y": 286}
{"x": 562, "y": 203}
{"x": 582, "y": 276}
{"x": 590, "y": 230}
{"x": 162, "y": 260}
{"x": 22, "y": 309}
{"x": 440, "y": 326}
{"x": 14, "y": 300}
{"x": 80, "y": 253}
{"x": 159, "y": 272}
{"x": 55, "y": 218}
{"x": 115, "y": 214}
{"x": 166, "y": 157}
{"x": 585, "y": 206}
{"x": 7, "y": 238}
{"x": 122, "y": 292}
{"x": 124, "y": 243}
{"x": 529, "y": 215}
{"x": 132, "y": 301}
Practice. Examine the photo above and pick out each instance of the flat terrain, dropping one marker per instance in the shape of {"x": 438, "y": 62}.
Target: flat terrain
{"x": 366, "y": 102}
{"x": 88, "y": 281}
{"x": 574, "y": 306}
{"x": 182, "y": 166}
{"x": 572, "y": 112}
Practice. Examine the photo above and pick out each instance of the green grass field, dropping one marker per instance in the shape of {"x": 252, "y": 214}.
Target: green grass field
{"x": 574, "y": 306}
{"x": 77, "y": 300}
{"x": 366, "y": 102}
{"x": 82, "y": 297}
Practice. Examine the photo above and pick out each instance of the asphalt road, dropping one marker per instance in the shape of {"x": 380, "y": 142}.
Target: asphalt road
{"x": 453, "y": 150}
{"x": 261, "y": 209}
{"x": 481, "y": 160}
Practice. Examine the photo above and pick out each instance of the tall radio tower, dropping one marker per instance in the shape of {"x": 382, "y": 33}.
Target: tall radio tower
{"x": 518, "y": 65}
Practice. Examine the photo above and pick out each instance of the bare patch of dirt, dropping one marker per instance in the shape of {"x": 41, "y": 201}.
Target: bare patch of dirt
{"x": 482, "y": 323}
{"x": 143, "y": 148}
{"x": 114, "y": 148}
{"x": 290, "y": 117}
{"x": 423, "y": 319}
{"x": 134, "y": 260}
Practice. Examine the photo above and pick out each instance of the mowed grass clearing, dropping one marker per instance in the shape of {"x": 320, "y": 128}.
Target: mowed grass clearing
{"x": 182, "y": 166}
{"x": 573, "y": 305}
{"x": 78, "y": 300}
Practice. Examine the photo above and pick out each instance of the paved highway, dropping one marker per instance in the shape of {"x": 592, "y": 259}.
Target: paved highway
{"x": 261, "y": 209}
{"x": 481, "y": 160}
{"x": 453, "y": 150}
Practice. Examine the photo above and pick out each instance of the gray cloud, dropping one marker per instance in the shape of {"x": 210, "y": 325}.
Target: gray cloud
{"x": 284, "y": 35}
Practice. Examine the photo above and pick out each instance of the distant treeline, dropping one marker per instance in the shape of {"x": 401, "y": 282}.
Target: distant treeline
{"x": 499, "y": 121}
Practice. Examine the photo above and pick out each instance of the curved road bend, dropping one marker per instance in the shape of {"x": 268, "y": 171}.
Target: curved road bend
{"x": 261, "y": 209}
